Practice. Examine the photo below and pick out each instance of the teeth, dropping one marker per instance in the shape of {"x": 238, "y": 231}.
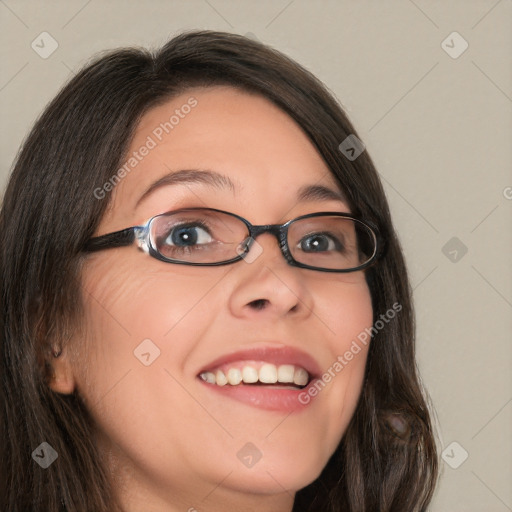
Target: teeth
{"x": 267, "y": 374}
{"x": 249, "y": 375}
{"x": 285, "y": 373}
{"x": 300, "y": 377}
{"x": 234, "y": 376}
{"x": 208, "y": 377}
{"x": 221, "y": 378}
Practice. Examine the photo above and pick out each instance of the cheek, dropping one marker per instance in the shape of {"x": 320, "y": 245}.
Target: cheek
{"x": 127, "y": 318}
{"x": 346, "y": 310}
{"x": 126, "y": 309}
{"x": 122, "y": 298}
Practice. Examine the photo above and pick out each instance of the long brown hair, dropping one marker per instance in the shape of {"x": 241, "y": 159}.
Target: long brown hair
{"x": 387, "y": 459}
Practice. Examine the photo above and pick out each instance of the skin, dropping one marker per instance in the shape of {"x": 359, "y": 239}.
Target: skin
{"x": 170, "y": 442}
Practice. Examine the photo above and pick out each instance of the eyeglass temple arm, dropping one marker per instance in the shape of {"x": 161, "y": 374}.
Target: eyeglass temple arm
{"x": 118, "y": 239}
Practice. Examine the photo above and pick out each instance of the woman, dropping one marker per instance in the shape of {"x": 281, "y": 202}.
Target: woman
{"x": 205, "y": 305}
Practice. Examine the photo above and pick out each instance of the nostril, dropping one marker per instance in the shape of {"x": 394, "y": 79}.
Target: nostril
{"x": 259, "y": 304}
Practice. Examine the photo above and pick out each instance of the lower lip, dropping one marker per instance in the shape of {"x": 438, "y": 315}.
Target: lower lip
{"x": 267, "y": 398}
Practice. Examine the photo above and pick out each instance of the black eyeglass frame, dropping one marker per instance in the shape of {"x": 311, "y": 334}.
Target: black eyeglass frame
{"x": 127, "y": 236}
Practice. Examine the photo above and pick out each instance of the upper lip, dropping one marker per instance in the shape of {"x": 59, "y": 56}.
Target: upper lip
{"x": 274, "y": 355}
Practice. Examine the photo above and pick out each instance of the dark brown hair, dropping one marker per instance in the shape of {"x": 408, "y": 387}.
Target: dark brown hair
{"x": 386, "y": 460}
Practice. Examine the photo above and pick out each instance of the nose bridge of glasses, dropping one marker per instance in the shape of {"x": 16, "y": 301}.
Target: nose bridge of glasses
{"x": 276, "y": 230}
{"x": 273, "y": 229}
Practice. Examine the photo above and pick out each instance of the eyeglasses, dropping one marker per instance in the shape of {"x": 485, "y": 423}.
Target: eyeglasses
{"x": 325, "y": 241}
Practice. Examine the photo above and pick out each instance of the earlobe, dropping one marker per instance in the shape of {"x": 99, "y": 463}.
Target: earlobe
{"x": 62, "y": 379}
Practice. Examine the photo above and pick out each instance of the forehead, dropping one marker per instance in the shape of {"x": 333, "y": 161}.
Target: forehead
{"x": 238, "y": 134}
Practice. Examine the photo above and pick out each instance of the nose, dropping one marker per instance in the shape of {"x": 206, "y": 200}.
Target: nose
{"x": 267, "y": 286}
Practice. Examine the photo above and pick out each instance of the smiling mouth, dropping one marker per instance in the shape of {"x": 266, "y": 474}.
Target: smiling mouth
{"x": 258, "y": 373}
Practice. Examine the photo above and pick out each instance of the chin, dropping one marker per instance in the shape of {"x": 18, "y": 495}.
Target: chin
{"x": 274, "y": 477}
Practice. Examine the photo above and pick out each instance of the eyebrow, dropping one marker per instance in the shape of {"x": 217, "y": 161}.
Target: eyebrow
{"x": 320, "y": 193}
{"x": 217, "y": 180}
{"x": 211, "y": 178}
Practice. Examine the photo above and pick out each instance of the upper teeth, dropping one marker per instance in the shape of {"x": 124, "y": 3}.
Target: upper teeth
{"x": 267, "y": 374}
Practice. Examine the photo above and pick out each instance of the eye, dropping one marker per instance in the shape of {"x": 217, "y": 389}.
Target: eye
{"x": 320, "y": 242}
{"x": 188, "y": 235}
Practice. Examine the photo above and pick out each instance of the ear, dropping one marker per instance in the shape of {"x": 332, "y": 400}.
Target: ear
{"x": 62, "y": 378}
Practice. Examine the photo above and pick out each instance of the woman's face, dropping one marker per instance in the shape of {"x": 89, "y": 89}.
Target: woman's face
{"x": 174, "y": 441}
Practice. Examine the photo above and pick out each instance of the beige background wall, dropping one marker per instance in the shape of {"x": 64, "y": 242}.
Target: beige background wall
{"x": 439, "y": 129}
